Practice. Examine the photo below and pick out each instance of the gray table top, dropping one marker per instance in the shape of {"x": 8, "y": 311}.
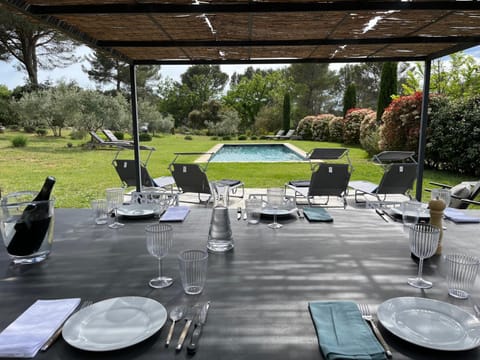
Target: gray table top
{"x": 259, "y": 292}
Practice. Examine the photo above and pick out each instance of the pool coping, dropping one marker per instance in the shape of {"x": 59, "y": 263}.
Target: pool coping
{"x": 206, "y": 157}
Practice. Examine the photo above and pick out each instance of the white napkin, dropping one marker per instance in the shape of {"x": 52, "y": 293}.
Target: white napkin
{"x": 27, "y": 334}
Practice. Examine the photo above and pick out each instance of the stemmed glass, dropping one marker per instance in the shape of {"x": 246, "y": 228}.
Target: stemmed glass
{"x": 442, "y": 194}
{"x": 159, "y": 242}
{"x": 423, "y": 244}
{"x": 114, "y": 201}
{"x": 275, "y": 198}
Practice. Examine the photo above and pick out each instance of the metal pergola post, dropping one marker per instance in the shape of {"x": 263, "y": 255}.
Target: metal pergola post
{"x": 422, "y": 141}
{"x": 136, "y": 140}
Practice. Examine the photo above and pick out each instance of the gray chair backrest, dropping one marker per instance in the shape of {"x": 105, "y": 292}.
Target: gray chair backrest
{"x": 190, "y": 178}
{"x": 110, "y": 135}
{"x": 126, "y": 171}
{"x": 327, "y": 153}
{"x": 329, "y": 180}
{"x": 394, "y": 156}
{"x": 95, "y": 137}
{"x": 397, "y": 178}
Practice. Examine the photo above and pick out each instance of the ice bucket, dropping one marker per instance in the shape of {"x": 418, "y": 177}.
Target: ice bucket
{"x": 26, "y": 227}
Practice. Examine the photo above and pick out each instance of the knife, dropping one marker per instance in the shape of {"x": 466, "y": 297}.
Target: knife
{"x": 188, "y": 321}
{"x": 197, "y": 332}
{"x": 381, "y": 213}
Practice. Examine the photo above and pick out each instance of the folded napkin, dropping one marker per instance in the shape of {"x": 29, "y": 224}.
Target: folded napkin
{"x": 459, "y": 216}
{"x": 317, "y": 214}
{"x": 342, "y": 333}
{"x": 27, "y": 334}
{"x": 175, "y": 213}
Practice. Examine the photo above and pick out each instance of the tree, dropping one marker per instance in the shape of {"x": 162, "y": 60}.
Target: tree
{"x": 106, "y": 70}
{"x": 349, "y": 98}
{"x": 286, "y": 112}
{"x": 312, "y": 93}
{"x": 459, "y": 78}
{"x": 33, "y": 46}
{"x": 388, "y": 87}
{"x": 205, "y": 81}
{"x": 250, "y": 95}
{"x": 366, "y": 77}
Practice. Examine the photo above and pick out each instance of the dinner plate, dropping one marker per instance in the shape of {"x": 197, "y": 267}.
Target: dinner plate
{"x": 430, "y": 323}
{"x": 278, "y": 212}
{"x": 136, "y": 211}
{"x": 398, "y": 214}
{"x": 114, "y": 323}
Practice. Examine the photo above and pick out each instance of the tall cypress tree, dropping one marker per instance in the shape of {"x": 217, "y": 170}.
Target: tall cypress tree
{"x": 388, "y": 87}
{"x": 286, "y": 112}
{"x": 349, "y": 98}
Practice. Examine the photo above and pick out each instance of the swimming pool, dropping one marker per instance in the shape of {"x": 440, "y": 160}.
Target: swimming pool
{"x": 257, "y": 153}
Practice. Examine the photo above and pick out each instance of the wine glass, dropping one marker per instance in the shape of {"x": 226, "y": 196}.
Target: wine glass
{"x": 423, "y": 244}
{"x": 114, "y": 200}
{"x": 442, "y": 194}
{"x": 159, "y": 242}
{"x": 275, "y": 197}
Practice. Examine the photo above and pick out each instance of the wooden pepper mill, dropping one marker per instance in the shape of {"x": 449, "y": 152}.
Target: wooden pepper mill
{"x": 436, "y": 207}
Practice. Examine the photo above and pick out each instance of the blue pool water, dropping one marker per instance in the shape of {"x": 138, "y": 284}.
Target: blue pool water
{"x": 256, "y": 153}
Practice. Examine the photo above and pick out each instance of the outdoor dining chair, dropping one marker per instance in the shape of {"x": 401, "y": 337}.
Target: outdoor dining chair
{"x": 327, "y": 179}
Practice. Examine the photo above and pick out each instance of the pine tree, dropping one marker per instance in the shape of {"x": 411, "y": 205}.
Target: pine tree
{"x": 349, "y": 98}
{"x": 388, "y": 87}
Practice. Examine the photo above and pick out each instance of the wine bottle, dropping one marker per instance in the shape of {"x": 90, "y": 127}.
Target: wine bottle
{"x": 32, "y": 226}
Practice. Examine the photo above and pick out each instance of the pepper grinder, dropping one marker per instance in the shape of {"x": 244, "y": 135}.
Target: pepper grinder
{"x": 436, "y": 207}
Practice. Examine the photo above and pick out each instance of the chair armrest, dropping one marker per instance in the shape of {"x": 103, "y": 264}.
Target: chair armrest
{"x": 445, "y": 186}
{"x": 471, "y": 202}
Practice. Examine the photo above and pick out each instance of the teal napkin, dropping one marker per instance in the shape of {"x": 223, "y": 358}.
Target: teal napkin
{"x": 317, "y": 214}
{"x": 342, "y": 333}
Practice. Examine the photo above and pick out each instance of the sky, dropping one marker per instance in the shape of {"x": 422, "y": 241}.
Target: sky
{"x": 11, "y": 77}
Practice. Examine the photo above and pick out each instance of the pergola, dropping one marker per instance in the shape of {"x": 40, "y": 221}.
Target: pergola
{"x": 254, "y": 32}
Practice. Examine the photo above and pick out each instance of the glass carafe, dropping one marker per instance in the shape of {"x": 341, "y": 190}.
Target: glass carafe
{"x": 220, "y": 237}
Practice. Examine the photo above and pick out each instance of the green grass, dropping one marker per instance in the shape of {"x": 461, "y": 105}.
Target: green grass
{"x": 84, "y": 174}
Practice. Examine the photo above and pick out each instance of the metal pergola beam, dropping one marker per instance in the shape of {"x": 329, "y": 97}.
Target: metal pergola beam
{"x": 296, "y": 42}
{"x": 250, "y": 7}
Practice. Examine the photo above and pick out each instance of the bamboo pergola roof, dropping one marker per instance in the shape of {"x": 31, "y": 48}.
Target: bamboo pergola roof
{"x": 243, "y": 31}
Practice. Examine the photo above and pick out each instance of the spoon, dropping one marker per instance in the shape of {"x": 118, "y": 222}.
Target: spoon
{"x": 175, "y": 314}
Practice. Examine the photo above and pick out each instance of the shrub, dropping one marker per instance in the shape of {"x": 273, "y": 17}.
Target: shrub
{"x": 19, "y": 141}
{"x": 188, "y": 137}
{"x": 253, "y": 137}
{"x": 320, "y": 127}
{"x": 119, "y": 135}
{"x": 454, "y": 135}
{"x": 78, "y": 134}
{"x": 242, "y": 137}
{"x": 226, "y": 137}
{"x": 335, "y": 129}
{"x": 401, "y": 123}
{"x": 29, "y": 129}
{"x": 69, "y": 145}
{"x": 353, "y": 119}
{"x": 214, "y": 138}
{"x": 304, "y": 128}
{"x": 145, "y": 137}
{"x": 369, "y": 134}
{"x": 41, "y": 132}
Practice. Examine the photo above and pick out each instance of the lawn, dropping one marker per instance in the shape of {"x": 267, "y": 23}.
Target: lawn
{"x": 83, "y": 174}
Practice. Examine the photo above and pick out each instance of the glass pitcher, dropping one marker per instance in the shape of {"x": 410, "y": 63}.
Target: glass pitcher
{"x": 220, "y": 237}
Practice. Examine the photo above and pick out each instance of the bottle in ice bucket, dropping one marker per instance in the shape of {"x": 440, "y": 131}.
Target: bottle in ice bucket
{"x": 220, "y": 237}
{"x": 27, "y": 224}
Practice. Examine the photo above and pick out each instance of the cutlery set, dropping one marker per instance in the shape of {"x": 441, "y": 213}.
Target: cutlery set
{"x": 195, "y": 315}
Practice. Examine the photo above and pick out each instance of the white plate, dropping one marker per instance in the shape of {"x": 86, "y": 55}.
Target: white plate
{"x": 278, "y": 212}
{"x": 430, "y": 323}
{"x": 135, "y": 211}
{"x": 114, "y": 323}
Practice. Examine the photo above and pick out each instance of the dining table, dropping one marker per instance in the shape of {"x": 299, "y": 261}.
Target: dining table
{"x": 259, "y": 292}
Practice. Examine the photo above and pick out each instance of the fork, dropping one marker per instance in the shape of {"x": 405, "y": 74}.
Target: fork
{"x": 367, "y": 316}
{"x": 57, "y": 333}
